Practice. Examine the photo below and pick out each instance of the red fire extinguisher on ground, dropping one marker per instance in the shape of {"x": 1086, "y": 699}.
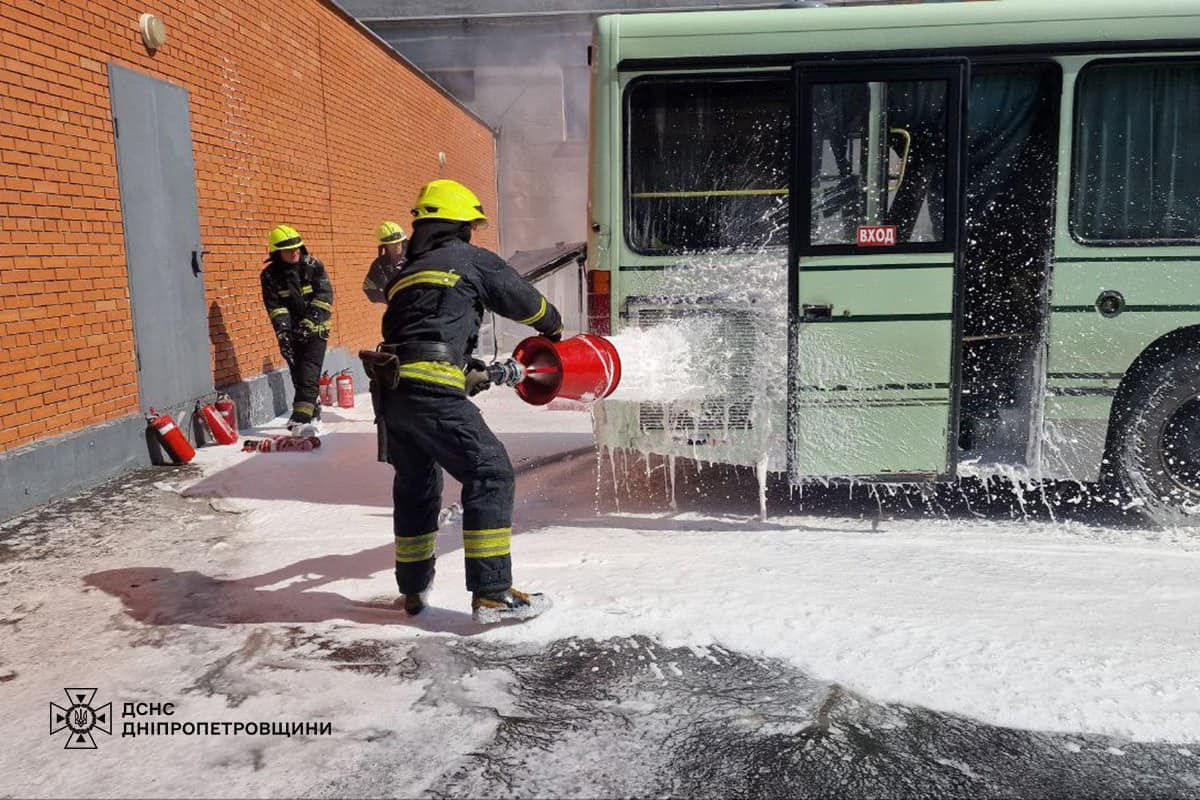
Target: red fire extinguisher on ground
{"x": 280, "y": 444}
{"x": 228, "y": 410}
{"x": 217, "y": 425}
{"x": 177, "y": 445}
{"x": 345, "y": 390}
{"x": 326, "y": 394}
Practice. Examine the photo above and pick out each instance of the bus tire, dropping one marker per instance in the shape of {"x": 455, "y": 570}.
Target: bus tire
{"x": 1158, "y": 442}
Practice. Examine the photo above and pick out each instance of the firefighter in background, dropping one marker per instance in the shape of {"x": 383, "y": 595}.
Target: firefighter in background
{"x": 299, "y": 300}
{"x": 391, "y": 240}
{"x": 430, "y": 328}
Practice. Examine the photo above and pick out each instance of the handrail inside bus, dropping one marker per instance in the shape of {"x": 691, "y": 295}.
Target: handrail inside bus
{"x": 708, "y": 193}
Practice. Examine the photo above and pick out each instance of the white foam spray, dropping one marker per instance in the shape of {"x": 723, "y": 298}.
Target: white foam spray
{"x": 659, "y": 364}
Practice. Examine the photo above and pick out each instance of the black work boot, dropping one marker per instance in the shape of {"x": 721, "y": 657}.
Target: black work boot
{"x": 414, "y": 603}
{"x": 417, "y": 602}
{"x": 489, "y": 608}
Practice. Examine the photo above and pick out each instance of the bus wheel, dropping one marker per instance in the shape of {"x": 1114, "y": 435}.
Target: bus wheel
{"x": 1158, "y": 450}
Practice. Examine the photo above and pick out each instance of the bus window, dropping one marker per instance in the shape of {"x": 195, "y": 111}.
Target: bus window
{"x": 707, "y": 164}
{"x": 879, "y": 157}
{"x": 1137, "y": 153}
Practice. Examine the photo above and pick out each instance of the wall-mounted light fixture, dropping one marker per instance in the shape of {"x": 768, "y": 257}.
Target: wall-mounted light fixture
{"x": 154, "y": 32}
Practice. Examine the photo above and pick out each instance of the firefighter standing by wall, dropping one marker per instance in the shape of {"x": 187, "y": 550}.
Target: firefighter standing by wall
{"x": 430, "y": 328}
{"x": 391, "y": 240}
{"x": 299, "y": 300}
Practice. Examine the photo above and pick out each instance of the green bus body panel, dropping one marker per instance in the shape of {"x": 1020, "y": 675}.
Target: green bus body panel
{"x": 1005, "y": 23}
{"x": 887, "y": 290}
{"x": 872, "y": 441}
{"x": 1153, "y": 280}
{"x": 863, "y": 355}
{"x": 872, "y": 393}
{"x": 1085, "y": 342}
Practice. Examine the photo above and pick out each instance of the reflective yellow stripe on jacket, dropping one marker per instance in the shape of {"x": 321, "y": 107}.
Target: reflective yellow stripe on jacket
{"x": 321, "y": 304}
{"x": 541, "y": 312}
{"x": 278, "y": 312}
{"x": 489, "y": 543}
{"x": 427, "y": 277}
{"x": 439, "y": 372}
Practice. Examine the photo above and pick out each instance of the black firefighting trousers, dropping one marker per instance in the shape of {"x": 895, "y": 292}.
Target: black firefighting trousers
{"x": 429, "y": 429}
{"x": 306, "y": 377}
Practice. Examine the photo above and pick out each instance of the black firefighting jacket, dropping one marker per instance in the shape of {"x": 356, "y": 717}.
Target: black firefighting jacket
{"x": 379, "y": 274}
{"x": 441, "y": 294}
{"x": 295, "y": 293}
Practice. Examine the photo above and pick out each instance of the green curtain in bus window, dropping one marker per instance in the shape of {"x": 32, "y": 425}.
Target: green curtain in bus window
{"x": 1137, "y": 153}
{"x": 707, "y": 164}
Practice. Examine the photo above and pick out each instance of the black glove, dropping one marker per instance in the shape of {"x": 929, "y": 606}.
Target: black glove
{"x": 310, "y": 329}
{"x": 507, "y": 372}
{"x": 477, "y": 378}
{"x": 303, "y": 333}
{"x": 554, "y": 336}
{"x": 285, "y": 347}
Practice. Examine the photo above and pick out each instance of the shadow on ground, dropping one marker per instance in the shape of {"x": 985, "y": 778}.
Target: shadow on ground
{"x": 290, "y": 594}
{"x": 344, "y": 470}
{"x": 630, "y": 717}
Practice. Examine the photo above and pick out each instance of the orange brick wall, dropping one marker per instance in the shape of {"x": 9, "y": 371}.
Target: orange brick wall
{"x": 297, "y": 116}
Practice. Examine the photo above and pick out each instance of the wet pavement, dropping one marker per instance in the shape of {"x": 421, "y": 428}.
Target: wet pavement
{"x": 631, "y": 717}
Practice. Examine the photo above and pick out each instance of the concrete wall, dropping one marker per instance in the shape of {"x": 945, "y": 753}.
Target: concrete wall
{"x": 529, "y": 80}
{"x": 303, "y": 117}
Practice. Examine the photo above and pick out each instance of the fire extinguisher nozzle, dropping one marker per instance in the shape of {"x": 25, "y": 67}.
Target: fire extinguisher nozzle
{"x": 582, "y": 367}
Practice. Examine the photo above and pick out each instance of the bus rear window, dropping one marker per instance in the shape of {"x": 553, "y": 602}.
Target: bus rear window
{"x": 707, "y": 164}
{"x": 1137, "y": 153}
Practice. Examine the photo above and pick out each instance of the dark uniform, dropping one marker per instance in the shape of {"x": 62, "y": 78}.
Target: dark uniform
{"x": 435, "y": 306}
{"x": 379, "y": 274}
{"x": 299, "y": 300}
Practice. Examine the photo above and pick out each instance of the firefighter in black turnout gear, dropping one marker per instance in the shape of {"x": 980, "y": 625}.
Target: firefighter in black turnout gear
{"x": 390, "y": 260}
{"x": 435, "y": 306}
{"x": 299, "y": 300}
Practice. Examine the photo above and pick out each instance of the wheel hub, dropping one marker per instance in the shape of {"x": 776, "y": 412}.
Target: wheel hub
{"x": 1181, "y": 446}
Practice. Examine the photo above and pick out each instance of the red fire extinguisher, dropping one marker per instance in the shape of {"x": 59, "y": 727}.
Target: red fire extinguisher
{"x": 172, "y": 438}
{"x": 280, "y": 444}
{"x": 228, "y": 410}
{"x": 345, "y": 390}
{"x": 326, "y": 394}
{"x": 217, "y": 425}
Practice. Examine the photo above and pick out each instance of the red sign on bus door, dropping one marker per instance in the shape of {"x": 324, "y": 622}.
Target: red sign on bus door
{"x": 876, "y": 235}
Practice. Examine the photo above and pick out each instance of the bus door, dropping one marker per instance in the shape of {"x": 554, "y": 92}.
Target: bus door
{"x": 875, "y": 231}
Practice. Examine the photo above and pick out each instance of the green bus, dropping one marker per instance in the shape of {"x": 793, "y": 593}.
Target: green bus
{"x": 915, "y": 241}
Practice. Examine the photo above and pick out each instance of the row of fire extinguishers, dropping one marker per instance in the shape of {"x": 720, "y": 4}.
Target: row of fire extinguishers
{"x": 344, "y": 385}
{"x": 220, "y": 423}
{"x": 219, "y": 418}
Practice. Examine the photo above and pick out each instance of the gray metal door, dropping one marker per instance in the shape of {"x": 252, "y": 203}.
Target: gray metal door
{"x": 162, "y": 237}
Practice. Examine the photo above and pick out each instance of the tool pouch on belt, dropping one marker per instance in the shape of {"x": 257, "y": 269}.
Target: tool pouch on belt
{"x": 384, "y": 371}
{"x": 382, "y": 368}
